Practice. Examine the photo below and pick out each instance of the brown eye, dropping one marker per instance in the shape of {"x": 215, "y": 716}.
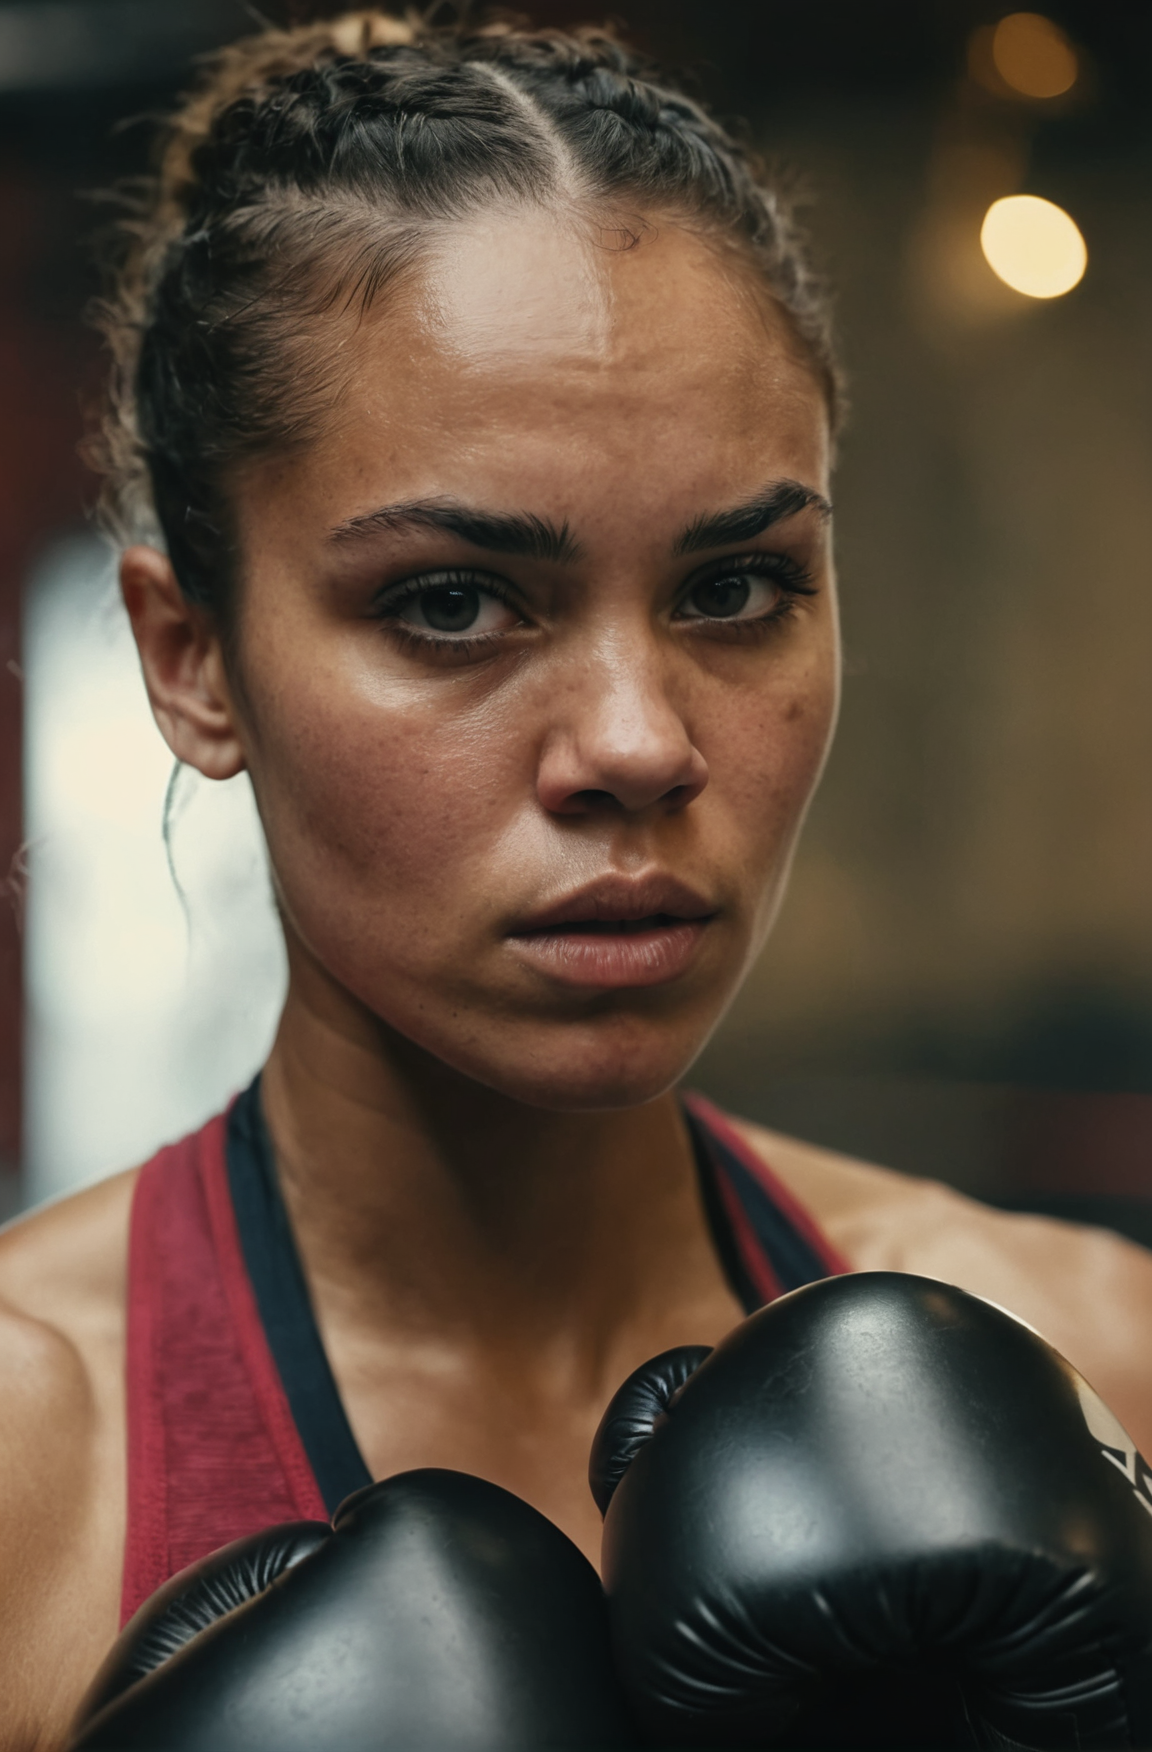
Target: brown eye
{"x": 452, "y": 609}
{"x": 732, "y": 596}
{"x": 721, "y": 598}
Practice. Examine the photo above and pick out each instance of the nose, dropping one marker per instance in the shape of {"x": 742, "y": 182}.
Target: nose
{"x": 618, "y": 740}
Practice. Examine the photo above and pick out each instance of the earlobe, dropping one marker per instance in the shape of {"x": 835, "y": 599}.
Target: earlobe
{"x": 183, "y": 662}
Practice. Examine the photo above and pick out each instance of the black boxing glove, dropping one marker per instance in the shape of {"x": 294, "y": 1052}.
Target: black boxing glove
{"x": 437, "y": 1611}
{"x": 632, "y": 1414}
{"x": 881, "y": 1513}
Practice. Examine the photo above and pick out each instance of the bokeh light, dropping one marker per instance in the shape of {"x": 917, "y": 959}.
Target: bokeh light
{"x": 1033, "y": 245}
{"x": 1033, "y": 56}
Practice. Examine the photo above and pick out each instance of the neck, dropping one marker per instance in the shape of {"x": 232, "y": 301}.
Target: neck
{"x": 435, "y": 1205}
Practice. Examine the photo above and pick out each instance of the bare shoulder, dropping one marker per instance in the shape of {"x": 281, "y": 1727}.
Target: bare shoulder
{"x": 67, "y": 1263}
{"x": 1089, "y": 1292}
{"x": 62, "y": 1295}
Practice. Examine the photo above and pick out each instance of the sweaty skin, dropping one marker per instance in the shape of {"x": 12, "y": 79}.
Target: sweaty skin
{"x": 532, "y": 736}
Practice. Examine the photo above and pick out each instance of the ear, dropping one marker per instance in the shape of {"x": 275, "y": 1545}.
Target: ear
{"x": 183, "y": 663}
{"x": 633, "y": 1413}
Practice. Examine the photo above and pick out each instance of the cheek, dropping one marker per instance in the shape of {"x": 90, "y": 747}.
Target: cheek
{"x": 766, "y": 748}
{"x": 370, "y": 796}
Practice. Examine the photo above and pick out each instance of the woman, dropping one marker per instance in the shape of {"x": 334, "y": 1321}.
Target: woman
{"x": 475, "y": 405}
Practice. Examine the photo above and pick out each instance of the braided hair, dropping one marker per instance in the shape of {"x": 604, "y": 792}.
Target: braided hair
{"x": 305, "y": 173}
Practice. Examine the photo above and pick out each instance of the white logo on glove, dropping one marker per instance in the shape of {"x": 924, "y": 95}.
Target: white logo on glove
{"x": 1116, "y": 1444}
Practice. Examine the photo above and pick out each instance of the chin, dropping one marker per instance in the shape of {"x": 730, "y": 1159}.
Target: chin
{"x": 585, "y": 1070}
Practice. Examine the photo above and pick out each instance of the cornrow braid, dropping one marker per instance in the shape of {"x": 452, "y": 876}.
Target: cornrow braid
{"x": 307, "y": 170}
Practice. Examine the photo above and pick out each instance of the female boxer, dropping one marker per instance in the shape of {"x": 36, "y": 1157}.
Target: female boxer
{"x": 471, "y": 421}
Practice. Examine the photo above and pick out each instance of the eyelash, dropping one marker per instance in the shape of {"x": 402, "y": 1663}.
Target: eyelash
{"x": 412, "y": 639}
{"x": 793, "y": 579}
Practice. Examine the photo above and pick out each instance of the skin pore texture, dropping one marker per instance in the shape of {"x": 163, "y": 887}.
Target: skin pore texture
{"x": 534, "y": 667}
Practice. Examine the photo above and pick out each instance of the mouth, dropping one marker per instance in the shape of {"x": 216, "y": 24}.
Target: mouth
{"x": 617, "y": 933}
{"x": 661, "y": 921}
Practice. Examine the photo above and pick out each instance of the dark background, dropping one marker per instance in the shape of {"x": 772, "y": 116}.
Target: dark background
{"x": 961, "y": 980}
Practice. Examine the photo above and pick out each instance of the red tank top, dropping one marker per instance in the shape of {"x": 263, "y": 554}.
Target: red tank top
{"x": 214, "y": 1452}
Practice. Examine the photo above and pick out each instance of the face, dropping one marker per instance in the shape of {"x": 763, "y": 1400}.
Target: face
{"x": 536, "y": 659}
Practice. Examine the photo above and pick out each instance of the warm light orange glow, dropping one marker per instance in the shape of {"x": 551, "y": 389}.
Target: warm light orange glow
{"x": 1033, "y": 56}
{"x": 1033, "y": 245}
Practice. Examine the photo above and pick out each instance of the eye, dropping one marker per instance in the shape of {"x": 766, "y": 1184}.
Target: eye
{"x": 454, "y": 608}
{"x": 732, "y": 596}
{"x": 451, "y": 608}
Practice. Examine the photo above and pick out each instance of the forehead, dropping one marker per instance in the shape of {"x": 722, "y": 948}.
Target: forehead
{"x": 548, "y": 358}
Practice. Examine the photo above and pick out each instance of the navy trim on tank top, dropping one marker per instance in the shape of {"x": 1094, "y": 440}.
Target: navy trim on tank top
{"x": 281, "y": 1290}
{"x": 703, "y": 1146}
{"x": 790, "y": 1254}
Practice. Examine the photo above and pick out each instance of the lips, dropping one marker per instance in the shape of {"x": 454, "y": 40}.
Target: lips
{"x": 626, "y": 903}
{"x": 617, "y": 932}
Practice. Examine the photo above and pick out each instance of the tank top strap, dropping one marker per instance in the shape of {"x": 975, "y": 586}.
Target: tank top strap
{"x": 769, "y": 1243}
{"x": 213, "y": 1451}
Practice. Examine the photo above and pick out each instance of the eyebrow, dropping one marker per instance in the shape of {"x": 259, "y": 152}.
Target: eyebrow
{"x": 535, "y": 538}
{"x": 743, "y": 522}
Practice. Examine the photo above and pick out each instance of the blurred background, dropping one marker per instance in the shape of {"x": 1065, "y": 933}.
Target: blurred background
{"x": 961, "y": 980}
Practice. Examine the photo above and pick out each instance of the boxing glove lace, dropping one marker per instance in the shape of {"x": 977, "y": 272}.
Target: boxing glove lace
{"x": 881, "y": 1513}
{"x": 438, "y": 1611}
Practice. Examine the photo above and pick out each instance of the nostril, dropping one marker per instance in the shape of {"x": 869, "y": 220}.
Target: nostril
{"x": 633, "y": 779}
{"x": 595, "y": 801}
